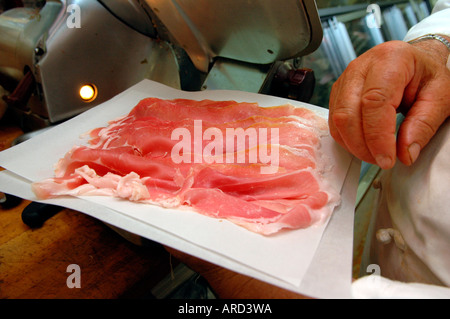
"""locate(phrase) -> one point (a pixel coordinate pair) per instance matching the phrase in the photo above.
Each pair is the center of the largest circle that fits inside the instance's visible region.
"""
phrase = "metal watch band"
(432, 37)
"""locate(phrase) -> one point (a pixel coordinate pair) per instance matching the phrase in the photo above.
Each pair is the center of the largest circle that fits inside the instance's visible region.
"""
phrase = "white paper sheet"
(307, 261)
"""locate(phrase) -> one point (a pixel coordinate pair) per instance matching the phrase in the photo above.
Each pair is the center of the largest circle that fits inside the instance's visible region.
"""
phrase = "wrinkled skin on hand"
(392, 77)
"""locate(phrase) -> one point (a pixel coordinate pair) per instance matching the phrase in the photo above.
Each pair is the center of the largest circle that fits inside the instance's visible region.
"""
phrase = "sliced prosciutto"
(260, 168)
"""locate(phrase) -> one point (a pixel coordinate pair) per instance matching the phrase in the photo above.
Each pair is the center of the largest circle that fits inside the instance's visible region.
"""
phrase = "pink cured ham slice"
(132, 158)
(219, 112)
(151, 135)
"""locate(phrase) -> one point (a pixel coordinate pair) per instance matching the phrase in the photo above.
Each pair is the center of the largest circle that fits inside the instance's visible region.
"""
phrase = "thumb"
(426, 115)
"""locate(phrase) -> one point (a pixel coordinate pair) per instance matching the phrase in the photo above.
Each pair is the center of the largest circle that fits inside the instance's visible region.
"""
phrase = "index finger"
(345, 111)
(380, 98)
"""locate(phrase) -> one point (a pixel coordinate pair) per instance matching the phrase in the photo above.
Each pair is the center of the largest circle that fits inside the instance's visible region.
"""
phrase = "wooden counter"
(33, 262)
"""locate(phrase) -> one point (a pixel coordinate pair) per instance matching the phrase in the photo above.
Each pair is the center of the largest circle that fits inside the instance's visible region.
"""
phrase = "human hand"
(392, 77)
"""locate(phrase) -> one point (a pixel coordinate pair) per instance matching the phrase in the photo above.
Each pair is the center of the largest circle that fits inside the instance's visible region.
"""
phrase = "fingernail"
(383, 161)
(414, 150)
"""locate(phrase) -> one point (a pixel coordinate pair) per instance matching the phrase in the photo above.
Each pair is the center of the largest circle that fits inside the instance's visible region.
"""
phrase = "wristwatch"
(432, 37)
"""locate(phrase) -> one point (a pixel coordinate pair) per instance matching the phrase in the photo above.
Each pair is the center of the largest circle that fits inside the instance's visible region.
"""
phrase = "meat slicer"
(106, 46)
(71, 55)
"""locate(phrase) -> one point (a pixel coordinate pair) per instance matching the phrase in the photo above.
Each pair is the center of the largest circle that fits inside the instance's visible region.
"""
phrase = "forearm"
(437, 23)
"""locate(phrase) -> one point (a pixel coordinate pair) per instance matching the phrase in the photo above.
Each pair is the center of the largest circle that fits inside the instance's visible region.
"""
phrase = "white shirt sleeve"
(438, 22)
(377, 287)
